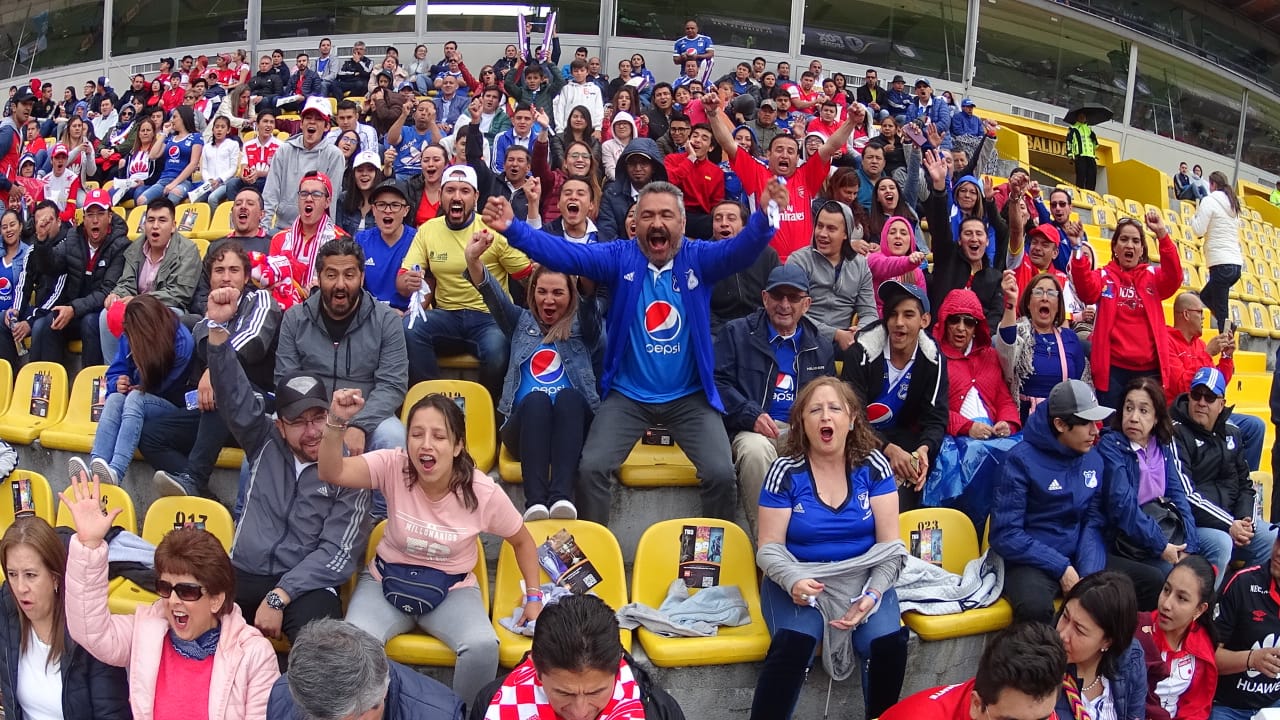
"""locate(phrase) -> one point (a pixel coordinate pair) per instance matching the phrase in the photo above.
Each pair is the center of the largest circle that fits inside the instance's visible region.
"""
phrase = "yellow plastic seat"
(657, 466)
(75, 432)
(1257, 321)
(1273, 311)
(134, 221)
(1092, 198)
(164, 515)
(1104, 217)
(41, 497)
(477, 407)
(1192, 255)
(202, 246)
(113, 496)
(1188, 210)
(1191, 279)
(419, 648)
(509, 467)
(219, 223)
(6, 384)
(1250, 361)
(959, 545)
(1249, 290)
(460, 362)
(1134, 208)
(601, 549)
(1113, 201)
(199, 221)
(26, 417)
(1171, 217)
(230, 458)
(124, 215)
(657, 562)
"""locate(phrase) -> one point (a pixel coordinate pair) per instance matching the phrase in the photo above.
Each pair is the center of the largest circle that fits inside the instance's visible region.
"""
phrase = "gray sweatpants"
(461, 622)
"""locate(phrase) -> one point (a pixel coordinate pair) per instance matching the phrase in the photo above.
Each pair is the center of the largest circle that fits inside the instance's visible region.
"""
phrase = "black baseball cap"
(298, 392)
(392, 185)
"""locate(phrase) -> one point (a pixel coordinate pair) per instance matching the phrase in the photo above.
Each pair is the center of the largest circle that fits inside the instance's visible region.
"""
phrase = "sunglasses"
(1203, 395)
(187, 592)
(1059, 203)
(968, 320)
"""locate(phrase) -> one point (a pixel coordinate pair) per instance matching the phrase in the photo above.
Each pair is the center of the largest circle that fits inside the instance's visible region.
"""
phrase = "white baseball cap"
(460, 173)
(366, 157)
(319, 105)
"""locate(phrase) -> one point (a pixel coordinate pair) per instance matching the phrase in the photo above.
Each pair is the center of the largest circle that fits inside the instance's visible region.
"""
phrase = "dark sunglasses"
(187, 592)
(968, 320)
(1059, 203)
(1202, 394)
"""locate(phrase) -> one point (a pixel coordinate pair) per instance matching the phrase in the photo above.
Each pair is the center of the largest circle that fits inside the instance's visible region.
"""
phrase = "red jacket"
(1196, 700)
(979, 369)
(702, 182)
(1185, 358)
(949, 702)
(1153, 283)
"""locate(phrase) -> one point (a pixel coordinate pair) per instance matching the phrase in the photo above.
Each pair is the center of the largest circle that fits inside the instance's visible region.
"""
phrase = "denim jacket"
(521, 328)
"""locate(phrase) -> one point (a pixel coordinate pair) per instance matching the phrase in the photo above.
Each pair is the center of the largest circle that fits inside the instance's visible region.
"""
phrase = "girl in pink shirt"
(437, 502)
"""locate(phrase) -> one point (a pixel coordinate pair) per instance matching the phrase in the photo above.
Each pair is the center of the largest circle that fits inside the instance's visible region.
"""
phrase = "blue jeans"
(153, 192)
(1218, 548)
(236, 184)
(1225, 713)
(218, 195)
(121, 425)
(1252, 432)
(781, 613)
(1216, 293)
(454, 332)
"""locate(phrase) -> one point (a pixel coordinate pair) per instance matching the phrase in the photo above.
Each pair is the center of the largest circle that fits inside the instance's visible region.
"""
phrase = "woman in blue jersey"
(13, 262)
(829, 549)
(550, 379)
(182, 149)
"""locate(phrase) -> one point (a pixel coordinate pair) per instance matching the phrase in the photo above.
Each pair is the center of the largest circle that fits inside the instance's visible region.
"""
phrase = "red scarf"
(521, 697)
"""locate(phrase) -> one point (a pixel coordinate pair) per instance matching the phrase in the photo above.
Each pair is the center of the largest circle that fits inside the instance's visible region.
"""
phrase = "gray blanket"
(685, 614)
(930, 590)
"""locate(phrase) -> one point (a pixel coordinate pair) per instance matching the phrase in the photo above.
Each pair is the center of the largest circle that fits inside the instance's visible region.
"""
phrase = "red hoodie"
(1167, 697)
(980, 369)
(1185, 358)
(1151, 284)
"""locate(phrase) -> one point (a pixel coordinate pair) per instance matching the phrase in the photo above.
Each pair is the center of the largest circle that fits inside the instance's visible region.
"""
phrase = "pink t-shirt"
(182, 686)
(440, 534)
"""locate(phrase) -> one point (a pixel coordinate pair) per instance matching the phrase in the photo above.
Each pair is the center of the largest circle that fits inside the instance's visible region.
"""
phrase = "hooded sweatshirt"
(974, 369)
(958, 215)
(1048, 512)
(885, 266)
(611, 149)
(290, 163)
(840, 292)
(618, 197)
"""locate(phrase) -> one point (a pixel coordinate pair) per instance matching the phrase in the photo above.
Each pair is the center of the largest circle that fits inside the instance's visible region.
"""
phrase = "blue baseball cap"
(892, 291)
(968, 102)
(787, 276)
(1212, 379)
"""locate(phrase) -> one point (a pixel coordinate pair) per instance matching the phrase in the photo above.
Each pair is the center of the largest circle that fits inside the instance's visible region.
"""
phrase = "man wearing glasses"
(298, 539)
(302, 153)
(761, 362)
(386, 243)
(1036, 255)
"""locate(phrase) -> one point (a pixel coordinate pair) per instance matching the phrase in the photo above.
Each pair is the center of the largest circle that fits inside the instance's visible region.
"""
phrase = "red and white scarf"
(522, 697)
(302, 254)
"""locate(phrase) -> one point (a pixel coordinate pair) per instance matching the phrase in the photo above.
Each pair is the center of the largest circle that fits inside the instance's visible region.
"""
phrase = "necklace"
(1097, 679)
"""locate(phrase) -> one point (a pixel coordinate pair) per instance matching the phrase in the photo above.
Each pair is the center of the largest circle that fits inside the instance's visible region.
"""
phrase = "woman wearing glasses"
(979, 400)
(1128, 293)
(189, 655)
(1036, 351)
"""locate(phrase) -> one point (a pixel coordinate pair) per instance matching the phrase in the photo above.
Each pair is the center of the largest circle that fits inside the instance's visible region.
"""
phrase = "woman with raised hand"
(438, 501)
(1178, 639)
(44, 674)
(1036, 350)
(828, 532)
(189, 655)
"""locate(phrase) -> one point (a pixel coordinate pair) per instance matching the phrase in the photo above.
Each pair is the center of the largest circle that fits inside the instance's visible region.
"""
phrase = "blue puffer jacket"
(525, 335)
(175, 382)
(1121, 478)
(962, 123)
(616, 199)
(409, 696)
(1128, 686)
(698, 267)
(938, 112)
(1048, 504)
(91, 689)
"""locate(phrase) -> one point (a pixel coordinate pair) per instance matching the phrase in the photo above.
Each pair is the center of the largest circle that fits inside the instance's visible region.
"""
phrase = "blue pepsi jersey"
(817, 532)
(543, 372)
(8, 283)
(700, 44)
(177, 154)
(659, 366)
(382, 264)
(783, 394)
(409, 152)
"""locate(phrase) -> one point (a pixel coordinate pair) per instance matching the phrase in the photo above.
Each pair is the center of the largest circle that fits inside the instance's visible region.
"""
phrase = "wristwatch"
(274, 601)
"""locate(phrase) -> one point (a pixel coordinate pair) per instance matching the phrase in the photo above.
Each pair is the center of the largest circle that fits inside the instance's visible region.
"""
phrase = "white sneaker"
(536, 512)
(99, 470)
(564, 510)
(77, 470)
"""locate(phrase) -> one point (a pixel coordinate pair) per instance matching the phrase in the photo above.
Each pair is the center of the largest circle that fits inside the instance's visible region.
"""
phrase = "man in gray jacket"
(350, 340)
(299, 538)
(302, 153)
(839, 279)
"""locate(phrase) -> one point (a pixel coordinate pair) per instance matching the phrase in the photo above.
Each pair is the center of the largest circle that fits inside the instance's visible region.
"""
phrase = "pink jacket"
(888, 267)
(244, 666)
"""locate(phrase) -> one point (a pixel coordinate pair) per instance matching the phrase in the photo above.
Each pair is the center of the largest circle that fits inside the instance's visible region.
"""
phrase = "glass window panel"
(753, 25)
(1178, 100)
(43, 34)
(573, 16)
(1261, 147)
(301, 18)
(1049, 58)
(918, 37)
(143, 27)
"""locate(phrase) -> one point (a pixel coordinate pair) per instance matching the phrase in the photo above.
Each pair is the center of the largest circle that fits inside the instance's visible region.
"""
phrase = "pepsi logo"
(784, 383)
(662, 321)
(174, 151)
(546, 367)
(878, 413)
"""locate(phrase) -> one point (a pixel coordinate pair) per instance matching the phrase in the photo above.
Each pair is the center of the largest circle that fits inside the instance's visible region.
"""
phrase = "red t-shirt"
(796, 230)
(949, 702)
(182, 686)
(427, 209)
(1132, 346)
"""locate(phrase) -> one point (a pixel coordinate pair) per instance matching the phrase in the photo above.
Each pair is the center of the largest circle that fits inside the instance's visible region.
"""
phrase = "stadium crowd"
(625, 258)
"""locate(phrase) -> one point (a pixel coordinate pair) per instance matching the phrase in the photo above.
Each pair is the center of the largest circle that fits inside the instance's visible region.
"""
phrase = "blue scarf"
(201, 648)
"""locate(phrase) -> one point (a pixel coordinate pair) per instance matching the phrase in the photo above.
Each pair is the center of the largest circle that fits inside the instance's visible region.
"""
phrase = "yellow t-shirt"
(440, 249)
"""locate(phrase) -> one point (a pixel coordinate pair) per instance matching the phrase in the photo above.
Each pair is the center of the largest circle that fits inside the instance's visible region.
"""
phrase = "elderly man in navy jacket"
(661, 284)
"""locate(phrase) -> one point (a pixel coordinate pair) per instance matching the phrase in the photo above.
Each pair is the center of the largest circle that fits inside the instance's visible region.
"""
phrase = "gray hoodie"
(371, 357)
(310, 533)
(839, 291)
(290, 163)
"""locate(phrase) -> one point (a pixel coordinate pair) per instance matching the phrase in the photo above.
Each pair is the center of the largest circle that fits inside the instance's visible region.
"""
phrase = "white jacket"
(572, 95)
(220, 161)
(1220, 229)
